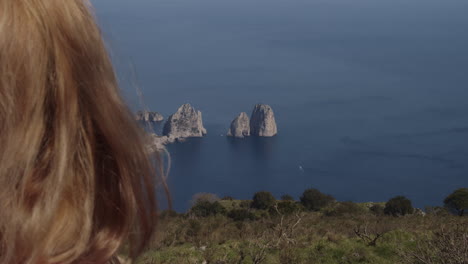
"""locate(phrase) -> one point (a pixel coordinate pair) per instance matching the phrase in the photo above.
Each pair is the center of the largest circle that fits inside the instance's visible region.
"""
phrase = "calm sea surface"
(370, 96)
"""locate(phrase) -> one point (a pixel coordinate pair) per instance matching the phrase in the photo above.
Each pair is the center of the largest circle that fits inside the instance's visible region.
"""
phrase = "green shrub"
(194, 228)
(314, 200)
(457, 202)
(398, 206)
(377, 209)
(288, 207)
(262, 214)
(345, 208)
(168, 214)
(445, 245)
(205, 208)
(436, 210)
(289, 255)
(245, 204)
(241, 215)
(263, 201)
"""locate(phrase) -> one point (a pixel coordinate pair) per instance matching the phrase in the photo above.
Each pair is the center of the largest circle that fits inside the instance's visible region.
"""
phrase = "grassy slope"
(316, 238)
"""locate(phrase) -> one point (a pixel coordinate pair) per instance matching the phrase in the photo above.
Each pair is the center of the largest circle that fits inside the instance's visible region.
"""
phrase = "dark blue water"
(371, 96)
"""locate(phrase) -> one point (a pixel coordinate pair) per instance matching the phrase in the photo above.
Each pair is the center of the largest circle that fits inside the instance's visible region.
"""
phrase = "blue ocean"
(370, 96)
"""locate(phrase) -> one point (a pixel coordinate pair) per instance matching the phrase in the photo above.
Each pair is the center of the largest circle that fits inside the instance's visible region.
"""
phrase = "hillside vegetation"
(266, 230)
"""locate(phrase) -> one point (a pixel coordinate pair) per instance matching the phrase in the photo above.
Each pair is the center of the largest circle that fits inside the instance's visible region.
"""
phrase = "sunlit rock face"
(262, 121)
(240, 126)
(186, 122)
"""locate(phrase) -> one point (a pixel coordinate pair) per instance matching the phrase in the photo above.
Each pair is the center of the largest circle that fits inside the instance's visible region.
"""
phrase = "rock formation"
(262, 121)
(148, 116)
(186, 122)
(157, 143)
(240, 126)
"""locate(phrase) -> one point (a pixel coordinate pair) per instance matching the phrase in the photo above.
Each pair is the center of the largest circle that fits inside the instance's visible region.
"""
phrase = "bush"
(241, 215)
(263, 200)
(436, 210)
(314, 200)
(288, 255)
(377, 209)
(346, 208)
(204, 197)
(262, 214)
(194, 228)
(288, 207)
(245, 204)
(398, 206)
(168, 214)
(227, 198)
(205, 208)
(445, 245)
(457, 202)
(287, 197)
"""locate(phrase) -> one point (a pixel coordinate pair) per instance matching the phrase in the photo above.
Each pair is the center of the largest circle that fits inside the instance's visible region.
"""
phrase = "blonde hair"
(76, 184)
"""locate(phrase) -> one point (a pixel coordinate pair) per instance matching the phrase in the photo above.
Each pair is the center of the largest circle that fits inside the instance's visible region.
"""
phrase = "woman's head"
(75, 181)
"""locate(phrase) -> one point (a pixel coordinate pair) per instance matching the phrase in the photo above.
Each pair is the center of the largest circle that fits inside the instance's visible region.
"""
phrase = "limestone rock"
(262, 121)
(158, 143)
(155, 143)
(148, 116)
(186, 122)
(240, 126)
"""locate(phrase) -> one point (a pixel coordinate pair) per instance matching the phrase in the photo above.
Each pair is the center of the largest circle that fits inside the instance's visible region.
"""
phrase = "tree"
(398, 206)
(263, 200)
(457, 201)
(314, 200)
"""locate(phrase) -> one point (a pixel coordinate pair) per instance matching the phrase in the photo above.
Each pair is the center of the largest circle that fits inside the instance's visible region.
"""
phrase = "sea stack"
(240, 126)
(186, 122)
(262, 121)
(148, 116)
